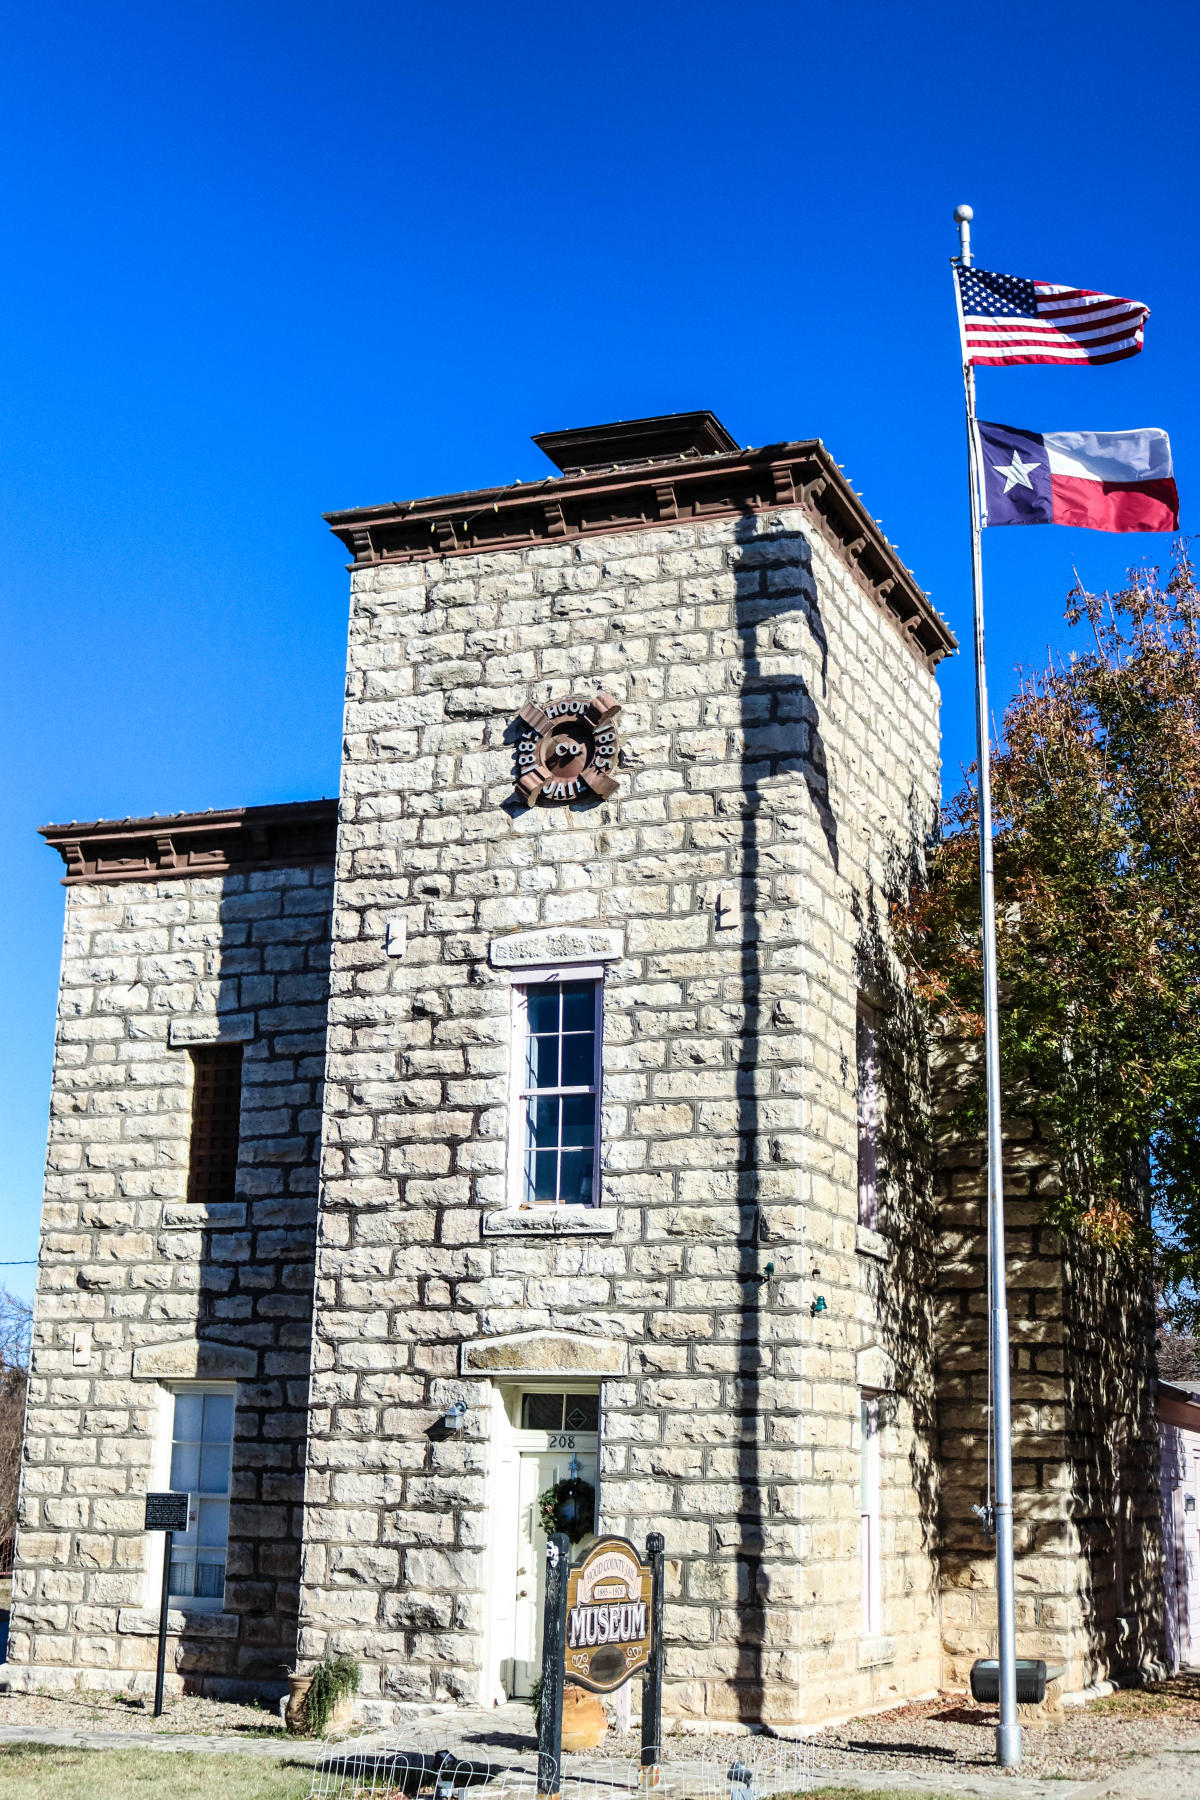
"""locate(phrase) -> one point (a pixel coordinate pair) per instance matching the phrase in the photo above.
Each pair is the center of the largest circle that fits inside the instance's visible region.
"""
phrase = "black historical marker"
(166, 1512)
(169, 1513)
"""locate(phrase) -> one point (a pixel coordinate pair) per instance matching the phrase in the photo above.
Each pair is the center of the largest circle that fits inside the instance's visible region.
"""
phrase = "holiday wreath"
(570, 1507)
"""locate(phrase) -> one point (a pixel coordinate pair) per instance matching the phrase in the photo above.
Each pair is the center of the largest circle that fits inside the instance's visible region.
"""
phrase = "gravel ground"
(117, 1712)
(953, 1735)
(944, 1736)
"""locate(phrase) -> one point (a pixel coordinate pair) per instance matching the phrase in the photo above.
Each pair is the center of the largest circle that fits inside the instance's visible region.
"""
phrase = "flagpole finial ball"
(963, 214)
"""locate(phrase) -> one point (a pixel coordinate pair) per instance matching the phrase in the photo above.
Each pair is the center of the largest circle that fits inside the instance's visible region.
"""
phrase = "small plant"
(333, 1678)
(535, 1700)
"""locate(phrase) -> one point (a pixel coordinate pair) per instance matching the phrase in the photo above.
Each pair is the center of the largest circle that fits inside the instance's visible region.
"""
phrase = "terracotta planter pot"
(583, 1719)
(296, 1714)
(342, 1714)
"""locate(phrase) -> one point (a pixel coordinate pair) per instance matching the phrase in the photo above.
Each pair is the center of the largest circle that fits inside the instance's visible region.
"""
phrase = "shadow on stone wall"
(777, 613)
(256, 1268)
(1085, 1445)
(1113, 1450)
(902, 1289)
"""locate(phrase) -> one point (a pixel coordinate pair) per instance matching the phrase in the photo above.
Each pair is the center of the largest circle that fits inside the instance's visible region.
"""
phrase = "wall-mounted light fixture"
(456, 1416)
(818, 1306)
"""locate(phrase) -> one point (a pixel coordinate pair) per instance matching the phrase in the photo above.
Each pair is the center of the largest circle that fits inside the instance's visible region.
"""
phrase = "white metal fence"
(388, 1766)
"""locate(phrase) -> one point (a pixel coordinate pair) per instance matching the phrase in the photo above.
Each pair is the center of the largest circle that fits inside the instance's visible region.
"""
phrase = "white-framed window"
(554, 1144)
(201, 1425)
(869, 1115)
(869, 1519)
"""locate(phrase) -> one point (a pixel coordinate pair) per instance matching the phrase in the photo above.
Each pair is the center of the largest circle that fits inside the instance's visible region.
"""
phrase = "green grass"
(45, 1772)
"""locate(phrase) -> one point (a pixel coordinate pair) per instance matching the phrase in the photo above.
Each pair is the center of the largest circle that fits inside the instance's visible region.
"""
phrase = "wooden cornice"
(172, 845)
(632, 499)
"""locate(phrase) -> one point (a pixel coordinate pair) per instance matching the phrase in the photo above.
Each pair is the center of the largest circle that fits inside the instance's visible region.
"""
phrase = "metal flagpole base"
(1008, 1746)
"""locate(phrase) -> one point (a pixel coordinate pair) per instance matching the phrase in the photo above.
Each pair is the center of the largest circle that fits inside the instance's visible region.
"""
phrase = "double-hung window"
(557, 1094)
(201, 1455)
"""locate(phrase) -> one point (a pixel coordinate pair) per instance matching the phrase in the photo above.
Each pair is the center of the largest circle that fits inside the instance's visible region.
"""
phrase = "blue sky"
(264, 260)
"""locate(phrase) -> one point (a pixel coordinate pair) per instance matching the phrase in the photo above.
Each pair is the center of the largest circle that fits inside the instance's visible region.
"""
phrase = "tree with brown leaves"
(1096, 797)
(15, 1315)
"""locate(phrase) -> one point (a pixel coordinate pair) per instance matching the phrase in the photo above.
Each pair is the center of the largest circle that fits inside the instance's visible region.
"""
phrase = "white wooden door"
(539, 1469)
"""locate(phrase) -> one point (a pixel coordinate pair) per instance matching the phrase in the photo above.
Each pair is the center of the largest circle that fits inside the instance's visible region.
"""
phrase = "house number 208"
(562, 1443)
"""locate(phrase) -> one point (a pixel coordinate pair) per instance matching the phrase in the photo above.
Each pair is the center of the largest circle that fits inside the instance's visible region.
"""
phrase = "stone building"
(623, 1171)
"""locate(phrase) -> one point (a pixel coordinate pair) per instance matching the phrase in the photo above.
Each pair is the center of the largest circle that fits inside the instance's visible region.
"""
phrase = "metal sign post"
(554, 1637)
(167, 1513)
(650, 1773)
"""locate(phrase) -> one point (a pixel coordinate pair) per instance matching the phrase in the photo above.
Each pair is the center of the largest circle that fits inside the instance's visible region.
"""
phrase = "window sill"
(550, 1221)
(873, 1652)
(872, 1243)
(194, 1621)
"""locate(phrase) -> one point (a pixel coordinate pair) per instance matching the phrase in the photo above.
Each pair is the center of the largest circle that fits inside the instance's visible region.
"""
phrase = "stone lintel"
(544, 1353)
(193, 1215)
(558, 944)
(210, 1028)
(191, 1360)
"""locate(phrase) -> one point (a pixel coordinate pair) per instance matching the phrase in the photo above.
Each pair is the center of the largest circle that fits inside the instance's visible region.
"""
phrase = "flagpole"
(1008, 1731)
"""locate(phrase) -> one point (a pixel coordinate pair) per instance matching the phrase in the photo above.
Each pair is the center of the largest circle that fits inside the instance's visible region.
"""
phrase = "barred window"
(216, 1112)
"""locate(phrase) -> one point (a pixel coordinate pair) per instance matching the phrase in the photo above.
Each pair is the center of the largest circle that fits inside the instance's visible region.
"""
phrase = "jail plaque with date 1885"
(568, 749)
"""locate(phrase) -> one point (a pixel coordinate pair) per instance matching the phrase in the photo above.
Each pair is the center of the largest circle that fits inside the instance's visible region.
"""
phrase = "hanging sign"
(609, 1616)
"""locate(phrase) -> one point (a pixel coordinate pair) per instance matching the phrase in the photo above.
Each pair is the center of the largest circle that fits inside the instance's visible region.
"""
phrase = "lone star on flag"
(1016, 473)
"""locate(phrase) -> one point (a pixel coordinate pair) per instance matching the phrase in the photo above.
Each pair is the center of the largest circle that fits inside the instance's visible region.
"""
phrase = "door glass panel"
(582, 1412)
(541, 1412)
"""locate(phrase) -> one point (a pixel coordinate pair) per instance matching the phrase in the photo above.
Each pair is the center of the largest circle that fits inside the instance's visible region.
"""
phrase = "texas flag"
(1104, 480)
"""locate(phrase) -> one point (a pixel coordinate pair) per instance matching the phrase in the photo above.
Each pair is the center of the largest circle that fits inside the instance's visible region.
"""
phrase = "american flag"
(1006, 319)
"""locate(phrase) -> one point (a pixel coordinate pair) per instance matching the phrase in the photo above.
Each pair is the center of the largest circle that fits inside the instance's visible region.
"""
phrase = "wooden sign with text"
(609, 1616)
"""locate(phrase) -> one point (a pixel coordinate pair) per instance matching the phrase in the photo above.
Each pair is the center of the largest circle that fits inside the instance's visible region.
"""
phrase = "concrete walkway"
(282, 1749)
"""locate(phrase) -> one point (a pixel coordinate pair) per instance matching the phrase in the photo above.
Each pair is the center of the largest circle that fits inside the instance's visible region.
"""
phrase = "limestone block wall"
(168, 1289)
(780, 738)
(1085, 1435)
